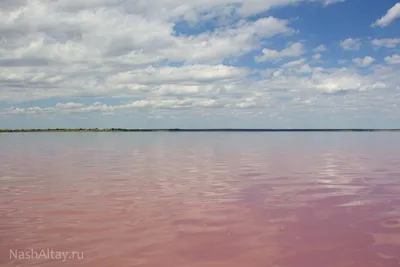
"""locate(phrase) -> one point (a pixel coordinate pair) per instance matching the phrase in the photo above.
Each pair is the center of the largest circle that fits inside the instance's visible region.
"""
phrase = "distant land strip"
(191, 130)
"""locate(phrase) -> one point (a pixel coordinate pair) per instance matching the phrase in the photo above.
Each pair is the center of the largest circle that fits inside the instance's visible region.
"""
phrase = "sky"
(200, 64)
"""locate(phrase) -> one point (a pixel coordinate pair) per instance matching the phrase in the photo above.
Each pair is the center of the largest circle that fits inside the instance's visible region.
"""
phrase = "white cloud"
(193, 74)
(71, 107)
(79, 48)
(130, 50)
(294, 63)
(294, 50)
(253, 7)
(364, 62)
(226, 42)
(341, 80)
(149, 81)
(330, 2)
(320, 48)
(351, 44)
(390, 16)
(103, 48)
(191, 11)
(335, 89)
(317, 57)
(387, 42)
(129, 38)
(394, 59)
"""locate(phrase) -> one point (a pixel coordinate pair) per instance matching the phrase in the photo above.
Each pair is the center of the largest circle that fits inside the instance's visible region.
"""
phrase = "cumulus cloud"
(101, 48)
(340, 80)
(293, 50)
(391, 15)
(317, 56)
(351, 44)
(139, 56)
(320, 48)
(302, 85)
(387, 42)
(364, 62)
(60, 37)
(104, 48)
(394, 59)
(294, 63)
(194, 74)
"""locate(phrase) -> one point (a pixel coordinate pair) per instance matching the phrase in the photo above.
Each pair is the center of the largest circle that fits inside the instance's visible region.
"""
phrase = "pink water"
(202, 199)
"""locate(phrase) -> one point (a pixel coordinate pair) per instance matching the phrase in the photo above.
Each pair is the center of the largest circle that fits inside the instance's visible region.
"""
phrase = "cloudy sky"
(199, 64)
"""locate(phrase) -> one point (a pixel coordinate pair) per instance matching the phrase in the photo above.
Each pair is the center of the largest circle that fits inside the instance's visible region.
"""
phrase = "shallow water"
(200, 199)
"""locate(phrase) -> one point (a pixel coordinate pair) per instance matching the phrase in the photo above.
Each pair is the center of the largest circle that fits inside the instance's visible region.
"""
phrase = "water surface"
(202, 199)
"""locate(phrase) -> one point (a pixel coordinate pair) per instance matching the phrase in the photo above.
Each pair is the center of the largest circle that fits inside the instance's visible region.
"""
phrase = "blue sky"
(209, 63)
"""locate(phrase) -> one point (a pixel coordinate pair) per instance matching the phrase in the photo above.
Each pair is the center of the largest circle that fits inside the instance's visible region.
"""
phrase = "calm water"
(201, 199)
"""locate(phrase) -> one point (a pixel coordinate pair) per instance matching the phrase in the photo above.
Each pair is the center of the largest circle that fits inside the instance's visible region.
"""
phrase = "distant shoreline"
(191, 130)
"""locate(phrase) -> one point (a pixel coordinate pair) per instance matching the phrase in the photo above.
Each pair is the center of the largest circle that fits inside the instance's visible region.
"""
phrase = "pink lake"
(200, 199)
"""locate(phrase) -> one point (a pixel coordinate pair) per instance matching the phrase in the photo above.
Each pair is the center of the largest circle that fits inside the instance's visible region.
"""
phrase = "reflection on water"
(202, 199)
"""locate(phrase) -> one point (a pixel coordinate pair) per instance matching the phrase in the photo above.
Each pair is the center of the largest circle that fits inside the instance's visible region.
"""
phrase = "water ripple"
(202, 200)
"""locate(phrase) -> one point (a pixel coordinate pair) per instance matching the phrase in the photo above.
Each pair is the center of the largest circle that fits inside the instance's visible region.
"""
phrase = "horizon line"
(194, 129)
